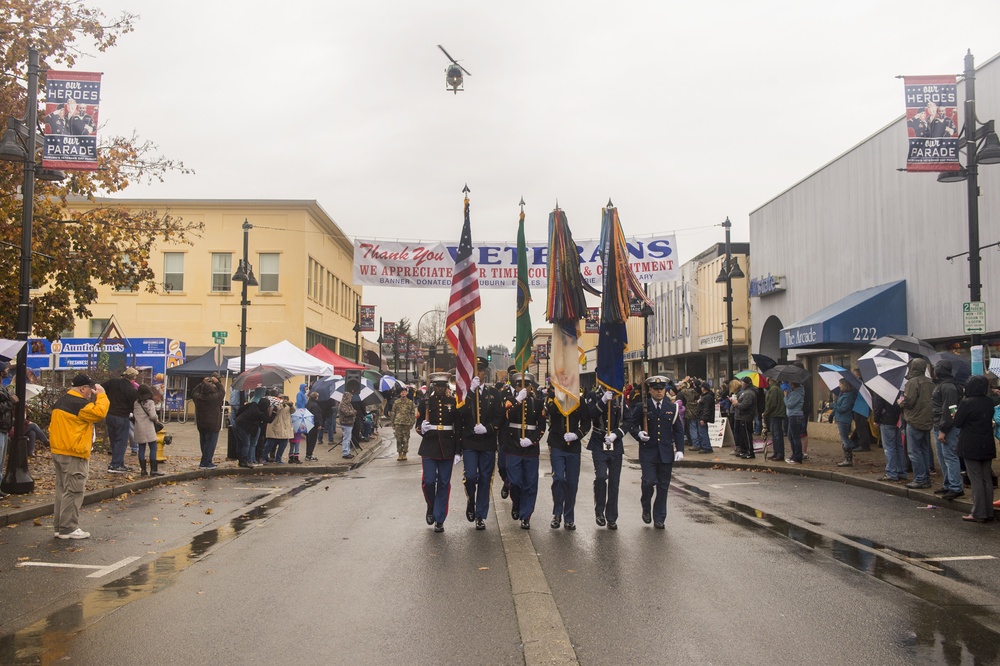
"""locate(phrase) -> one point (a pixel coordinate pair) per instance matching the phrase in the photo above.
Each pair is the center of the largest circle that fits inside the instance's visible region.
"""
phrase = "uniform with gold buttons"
(660, 433)
(439, 427)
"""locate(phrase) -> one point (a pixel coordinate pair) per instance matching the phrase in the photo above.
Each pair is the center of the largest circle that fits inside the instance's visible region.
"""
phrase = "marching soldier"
(525, 427)
(507, 394)
(654, 423)
(481, 417)
(440, 448)
(607, 447)
(566, 432)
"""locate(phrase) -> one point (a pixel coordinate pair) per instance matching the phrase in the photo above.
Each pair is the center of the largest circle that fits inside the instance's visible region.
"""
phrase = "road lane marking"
(957, 558)
(101, 569)
(543, 631)
(723, 485)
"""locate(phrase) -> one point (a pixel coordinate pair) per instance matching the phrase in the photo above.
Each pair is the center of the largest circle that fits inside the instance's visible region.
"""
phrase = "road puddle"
(49, 639)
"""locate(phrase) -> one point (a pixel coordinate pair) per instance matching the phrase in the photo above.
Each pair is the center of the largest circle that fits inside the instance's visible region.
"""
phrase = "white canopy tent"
(285, 355)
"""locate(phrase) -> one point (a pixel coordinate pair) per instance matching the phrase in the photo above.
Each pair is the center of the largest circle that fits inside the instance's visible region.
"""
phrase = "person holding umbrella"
(843, 415)
(794, 411)
(312, 406)
(346, 415)
(977, 446)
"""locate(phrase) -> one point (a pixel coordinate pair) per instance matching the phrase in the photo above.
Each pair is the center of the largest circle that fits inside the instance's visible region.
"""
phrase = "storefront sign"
(713, 340)
(766, 286)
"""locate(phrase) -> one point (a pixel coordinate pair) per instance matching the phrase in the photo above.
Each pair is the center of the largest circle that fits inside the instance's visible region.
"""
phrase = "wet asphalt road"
(343, 569)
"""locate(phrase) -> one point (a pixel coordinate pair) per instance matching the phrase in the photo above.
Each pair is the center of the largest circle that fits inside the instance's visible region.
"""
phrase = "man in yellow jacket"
(71, 438)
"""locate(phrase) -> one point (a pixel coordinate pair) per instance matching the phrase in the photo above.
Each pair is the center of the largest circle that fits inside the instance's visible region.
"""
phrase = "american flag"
(461, 323)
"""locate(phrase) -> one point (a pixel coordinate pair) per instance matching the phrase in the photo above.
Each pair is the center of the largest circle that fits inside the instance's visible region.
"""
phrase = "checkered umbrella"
(832, 374)
(883, 371)
(367, 395)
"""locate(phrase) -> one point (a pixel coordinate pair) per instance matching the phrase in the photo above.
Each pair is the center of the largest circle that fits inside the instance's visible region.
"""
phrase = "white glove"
(427, 425)
(570, 437)
(610, 439)
(521, 395)
(643, 436)
(526, 442)
(608, 395)
(458, 459)
(474, 384)
(479, 429)
(679, 456)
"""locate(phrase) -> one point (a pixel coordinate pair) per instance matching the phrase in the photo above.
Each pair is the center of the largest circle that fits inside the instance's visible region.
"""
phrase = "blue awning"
(856, 319)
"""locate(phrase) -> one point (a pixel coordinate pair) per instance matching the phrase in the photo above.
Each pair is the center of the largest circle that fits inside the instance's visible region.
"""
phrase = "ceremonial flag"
(460, 326)
(565, 307)
(522, 346)
(620, 288)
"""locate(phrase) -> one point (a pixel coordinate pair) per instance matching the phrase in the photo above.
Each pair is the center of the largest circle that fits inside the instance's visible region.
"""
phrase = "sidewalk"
(184, 454)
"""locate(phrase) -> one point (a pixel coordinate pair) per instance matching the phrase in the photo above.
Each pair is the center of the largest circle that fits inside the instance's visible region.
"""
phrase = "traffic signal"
(489, 355)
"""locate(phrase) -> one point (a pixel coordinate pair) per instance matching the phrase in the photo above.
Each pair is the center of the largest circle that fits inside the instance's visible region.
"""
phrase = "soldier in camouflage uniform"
(403, 416)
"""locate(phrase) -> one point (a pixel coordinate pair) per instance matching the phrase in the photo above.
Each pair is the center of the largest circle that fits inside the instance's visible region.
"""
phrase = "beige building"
(301, 259)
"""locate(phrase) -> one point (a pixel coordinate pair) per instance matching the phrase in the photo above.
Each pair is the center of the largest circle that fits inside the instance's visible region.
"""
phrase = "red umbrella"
(262, 375)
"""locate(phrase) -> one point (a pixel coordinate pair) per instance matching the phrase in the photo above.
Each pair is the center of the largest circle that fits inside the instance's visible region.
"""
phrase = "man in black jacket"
(944, 402)
(122, 393)
(482, 418)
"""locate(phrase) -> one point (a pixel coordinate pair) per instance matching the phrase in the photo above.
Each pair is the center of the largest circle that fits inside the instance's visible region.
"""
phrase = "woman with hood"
(977, 447)
(843, 415)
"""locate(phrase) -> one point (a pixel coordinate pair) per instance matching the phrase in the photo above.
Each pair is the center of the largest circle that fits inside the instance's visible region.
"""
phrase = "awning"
(854, 320)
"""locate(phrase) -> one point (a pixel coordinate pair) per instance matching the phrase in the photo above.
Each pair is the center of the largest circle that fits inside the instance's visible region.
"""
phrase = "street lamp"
(730, 270)
(244, 274)
(19, 145)
(976, 133)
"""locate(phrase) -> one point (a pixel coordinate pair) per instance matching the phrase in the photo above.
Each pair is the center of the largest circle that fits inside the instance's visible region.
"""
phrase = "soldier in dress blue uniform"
(607, 446)
(525, 427)
(660, 434)
(566, 432)
(440, 447)
(482, 416)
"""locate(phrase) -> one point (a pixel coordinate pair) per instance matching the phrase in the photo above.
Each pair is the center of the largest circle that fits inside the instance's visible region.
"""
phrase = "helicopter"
(453, 75)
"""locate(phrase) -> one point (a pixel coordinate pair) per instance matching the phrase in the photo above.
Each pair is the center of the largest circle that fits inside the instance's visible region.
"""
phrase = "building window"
(173, 271)
(348, 350)
(222, 271)
(97, 327)
(130, 284)
(309, 278)
(268, 272)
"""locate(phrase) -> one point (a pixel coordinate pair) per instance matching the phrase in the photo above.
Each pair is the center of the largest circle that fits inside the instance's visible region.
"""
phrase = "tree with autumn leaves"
(73, 252)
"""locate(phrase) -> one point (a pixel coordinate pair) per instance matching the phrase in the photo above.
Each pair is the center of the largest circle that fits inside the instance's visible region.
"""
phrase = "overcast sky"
(682, 113)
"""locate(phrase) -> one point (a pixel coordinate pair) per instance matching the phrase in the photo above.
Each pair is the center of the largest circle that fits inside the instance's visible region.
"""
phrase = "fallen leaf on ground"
(209, 511)
(23, 559)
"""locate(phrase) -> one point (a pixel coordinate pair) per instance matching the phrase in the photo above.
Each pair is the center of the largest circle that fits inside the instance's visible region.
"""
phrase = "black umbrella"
(906, 343)
(764, 363)
(961, 369)
(788, 373)
(262, 375)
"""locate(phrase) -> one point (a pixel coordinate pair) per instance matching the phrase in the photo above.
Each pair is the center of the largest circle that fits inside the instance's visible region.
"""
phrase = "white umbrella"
(31, 390)
(884, 371)
(9, 349)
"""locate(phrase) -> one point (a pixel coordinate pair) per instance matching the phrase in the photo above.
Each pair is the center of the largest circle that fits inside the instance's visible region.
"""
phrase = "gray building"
(857, 250)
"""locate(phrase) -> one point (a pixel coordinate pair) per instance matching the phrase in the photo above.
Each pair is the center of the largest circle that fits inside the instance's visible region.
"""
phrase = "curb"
(921, 496)
(94, 496)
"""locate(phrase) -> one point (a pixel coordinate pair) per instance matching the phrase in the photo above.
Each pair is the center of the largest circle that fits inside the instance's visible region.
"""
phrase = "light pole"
(975, 133)
(730, 269)
(244, 274)
(19, 145)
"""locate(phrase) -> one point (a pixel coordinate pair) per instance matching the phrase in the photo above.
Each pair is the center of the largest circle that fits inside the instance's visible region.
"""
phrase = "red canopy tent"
(338, 362)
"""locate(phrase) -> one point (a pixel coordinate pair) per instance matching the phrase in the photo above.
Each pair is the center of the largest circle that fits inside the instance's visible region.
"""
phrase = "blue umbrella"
(302, 420)
(326, 386)
(388, 383)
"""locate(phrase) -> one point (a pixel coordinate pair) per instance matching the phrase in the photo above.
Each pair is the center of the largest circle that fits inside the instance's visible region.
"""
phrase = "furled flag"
(619, 284)
(565, 307)
(460, 326)
(523, 343)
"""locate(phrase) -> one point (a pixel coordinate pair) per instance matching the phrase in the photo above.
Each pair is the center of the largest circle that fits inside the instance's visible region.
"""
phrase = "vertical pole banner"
(932, 123)
(72, 106)
(593, 320)
(366, 318)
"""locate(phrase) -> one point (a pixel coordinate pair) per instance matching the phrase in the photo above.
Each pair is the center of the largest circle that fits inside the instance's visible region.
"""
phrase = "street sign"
(974, 317)
(220, 334)
(219, 341)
